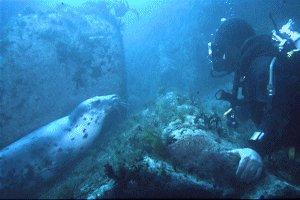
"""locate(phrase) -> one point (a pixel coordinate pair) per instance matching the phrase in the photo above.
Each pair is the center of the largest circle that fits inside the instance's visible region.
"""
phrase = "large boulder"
(52, 60)
(206, 156)
(271, 187)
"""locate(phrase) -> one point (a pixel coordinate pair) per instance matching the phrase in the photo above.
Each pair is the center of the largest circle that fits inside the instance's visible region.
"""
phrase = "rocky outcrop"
(52, 60)
(156, 179)
(271, 187)
(206, 158)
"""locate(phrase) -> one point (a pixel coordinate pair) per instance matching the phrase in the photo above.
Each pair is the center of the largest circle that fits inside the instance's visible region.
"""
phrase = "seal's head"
(95, 105)
(102, 102)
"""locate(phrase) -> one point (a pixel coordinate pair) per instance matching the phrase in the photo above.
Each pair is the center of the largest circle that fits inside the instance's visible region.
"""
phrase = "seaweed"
(67, 191)
(121, 175)
(153, 143)
(211, 122)
(128, 176)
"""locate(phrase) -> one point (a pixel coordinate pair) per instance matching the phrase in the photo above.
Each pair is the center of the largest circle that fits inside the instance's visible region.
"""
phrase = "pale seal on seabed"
(33, 160)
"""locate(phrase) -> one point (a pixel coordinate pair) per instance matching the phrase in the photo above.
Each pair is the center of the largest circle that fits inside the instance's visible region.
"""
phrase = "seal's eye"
(97, 103)
(79, 111)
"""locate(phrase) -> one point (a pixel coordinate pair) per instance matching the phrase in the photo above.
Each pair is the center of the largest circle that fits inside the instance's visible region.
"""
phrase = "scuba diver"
(266, 87)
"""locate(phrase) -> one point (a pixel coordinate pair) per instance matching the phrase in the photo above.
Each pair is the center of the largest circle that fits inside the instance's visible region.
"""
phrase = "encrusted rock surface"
(155, 178)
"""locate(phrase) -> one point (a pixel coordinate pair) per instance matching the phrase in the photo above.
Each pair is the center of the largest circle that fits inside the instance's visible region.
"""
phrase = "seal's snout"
(114, 98)
(100, 101)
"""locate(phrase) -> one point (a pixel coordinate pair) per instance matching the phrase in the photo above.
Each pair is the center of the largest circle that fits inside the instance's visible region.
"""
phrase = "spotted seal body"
(36, 158)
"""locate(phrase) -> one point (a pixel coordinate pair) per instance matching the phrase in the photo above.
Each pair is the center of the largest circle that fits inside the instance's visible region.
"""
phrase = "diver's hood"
(221, 62)
(225, 50)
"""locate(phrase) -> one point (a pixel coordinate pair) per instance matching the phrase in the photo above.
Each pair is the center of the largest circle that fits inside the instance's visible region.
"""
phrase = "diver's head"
(229, 38)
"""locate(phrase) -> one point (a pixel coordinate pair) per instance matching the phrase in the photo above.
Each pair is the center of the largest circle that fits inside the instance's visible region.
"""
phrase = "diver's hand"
(250, 165)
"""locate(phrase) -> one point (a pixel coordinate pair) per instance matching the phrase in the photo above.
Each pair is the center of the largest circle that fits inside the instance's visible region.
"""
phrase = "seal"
(31, 162)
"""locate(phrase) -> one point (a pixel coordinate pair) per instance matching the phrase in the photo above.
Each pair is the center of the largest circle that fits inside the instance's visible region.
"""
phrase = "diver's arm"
(271, 132)
(270, 123)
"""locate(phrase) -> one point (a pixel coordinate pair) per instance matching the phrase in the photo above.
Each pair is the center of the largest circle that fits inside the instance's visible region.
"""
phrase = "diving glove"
(250, 166)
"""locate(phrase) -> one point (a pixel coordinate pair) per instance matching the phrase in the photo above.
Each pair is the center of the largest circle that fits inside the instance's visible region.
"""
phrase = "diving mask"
(219, 59)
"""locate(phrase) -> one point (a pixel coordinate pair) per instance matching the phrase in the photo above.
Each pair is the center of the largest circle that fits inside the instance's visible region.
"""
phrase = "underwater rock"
(205, 156)
(272, 187)
(185, 127)
(53, 60)
(173, 125)
(189, 121)
(100, 192)
(158, 179)
(182, 133)
(169, 99)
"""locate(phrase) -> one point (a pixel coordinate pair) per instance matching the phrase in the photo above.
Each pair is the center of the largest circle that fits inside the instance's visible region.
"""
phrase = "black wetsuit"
(277, 117)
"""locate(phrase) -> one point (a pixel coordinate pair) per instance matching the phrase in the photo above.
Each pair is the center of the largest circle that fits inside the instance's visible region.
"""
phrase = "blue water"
(55, 54)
